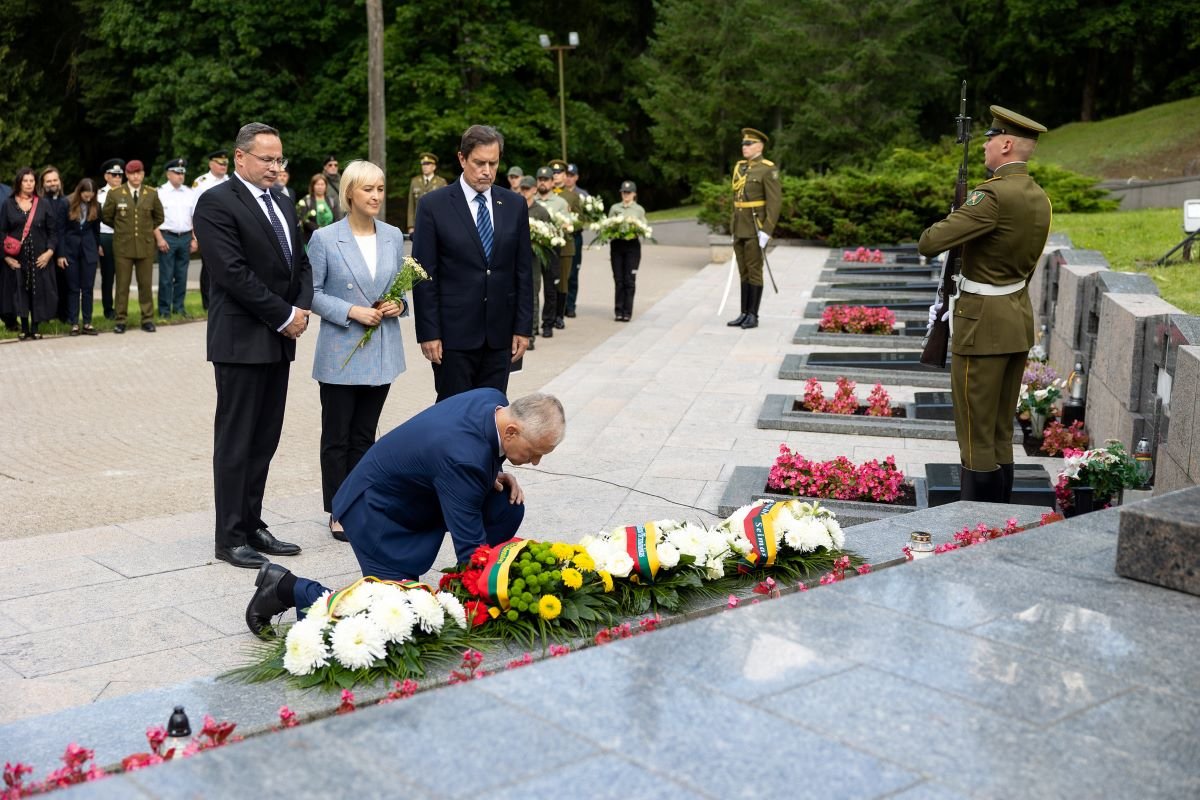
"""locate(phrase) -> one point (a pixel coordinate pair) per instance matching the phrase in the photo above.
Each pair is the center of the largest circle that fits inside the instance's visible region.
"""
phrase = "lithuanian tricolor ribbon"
(641, 543)
(759, 526)
(497, 568)
(337, 597)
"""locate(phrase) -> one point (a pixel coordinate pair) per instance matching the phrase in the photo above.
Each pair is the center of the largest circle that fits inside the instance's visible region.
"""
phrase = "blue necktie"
(278, 226)
(483, 221)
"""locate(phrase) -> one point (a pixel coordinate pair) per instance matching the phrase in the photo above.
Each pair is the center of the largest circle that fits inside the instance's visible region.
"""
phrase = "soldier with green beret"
(757, 198)
(1002, 226)
(422, 185)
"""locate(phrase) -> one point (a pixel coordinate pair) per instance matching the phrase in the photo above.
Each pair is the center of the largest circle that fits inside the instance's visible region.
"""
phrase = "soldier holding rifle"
(757, 199)
(1001, 227)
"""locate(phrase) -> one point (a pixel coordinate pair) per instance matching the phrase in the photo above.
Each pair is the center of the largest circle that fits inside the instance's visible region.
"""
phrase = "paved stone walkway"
(107, 582)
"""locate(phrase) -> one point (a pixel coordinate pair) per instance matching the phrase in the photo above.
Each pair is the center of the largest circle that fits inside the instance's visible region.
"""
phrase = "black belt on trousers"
(179, 233)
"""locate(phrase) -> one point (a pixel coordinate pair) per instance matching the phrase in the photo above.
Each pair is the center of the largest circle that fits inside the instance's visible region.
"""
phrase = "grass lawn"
(1133, 240)
(191, 304)
(665, 214)
(1156, 142)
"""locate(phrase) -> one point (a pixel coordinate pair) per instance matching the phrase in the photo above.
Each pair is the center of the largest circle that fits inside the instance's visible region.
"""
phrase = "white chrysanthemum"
(453, 608)
(305, 647)
(715, 568)
(358, 641)
(356, 600)
(806, 535)
(835, 531)
(620, 564)
(392, 612)
(740, 544)
(668, 556)
(430, 615)
(319, 611)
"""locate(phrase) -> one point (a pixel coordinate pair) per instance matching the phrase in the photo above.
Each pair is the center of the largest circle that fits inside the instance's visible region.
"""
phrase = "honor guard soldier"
(757, 198)
(114, 176)
(218, 173)
(575, 205)
(554, 204)
(422, 185)
(1002, 225)
(134, 212)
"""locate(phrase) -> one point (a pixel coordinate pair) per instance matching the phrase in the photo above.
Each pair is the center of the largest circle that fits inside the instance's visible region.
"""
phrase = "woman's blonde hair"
(354, 175)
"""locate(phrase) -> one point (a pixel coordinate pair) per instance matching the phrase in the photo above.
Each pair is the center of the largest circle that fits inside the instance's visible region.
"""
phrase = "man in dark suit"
(475, 314)
(439, 471)
(260, 294)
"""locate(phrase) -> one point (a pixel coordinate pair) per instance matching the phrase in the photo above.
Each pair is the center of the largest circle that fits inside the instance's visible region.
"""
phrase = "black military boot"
(737, 323)
(981, 487)
(560, 309)
(1006, 472)
(753, 299)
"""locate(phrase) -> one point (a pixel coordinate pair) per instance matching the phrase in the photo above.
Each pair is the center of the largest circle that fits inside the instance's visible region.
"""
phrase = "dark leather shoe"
(548, 332)
(265, 603)
(262, 541)
(570, 313)
(339, 532)
(241, 556)
(751, 321)
(737, 323)
(559, 323)
(119, 327)
(148, 327)
(531, 345)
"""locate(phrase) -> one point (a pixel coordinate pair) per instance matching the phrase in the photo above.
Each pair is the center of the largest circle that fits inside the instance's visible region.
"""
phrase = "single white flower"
(394, 616)
(453, 608)
(356, 600)
(835, 531)
(430, 615)
(668, 556)
(620, 564)
(358, 642)
(319, 611)
(806, 535)
(305, 647)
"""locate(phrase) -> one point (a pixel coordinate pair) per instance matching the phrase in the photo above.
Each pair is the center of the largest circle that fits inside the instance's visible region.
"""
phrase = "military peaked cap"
(1012, 123)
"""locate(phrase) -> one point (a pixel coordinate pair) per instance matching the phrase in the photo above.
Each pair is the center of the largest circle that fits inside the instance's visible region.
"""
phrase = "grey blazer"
(341, 280)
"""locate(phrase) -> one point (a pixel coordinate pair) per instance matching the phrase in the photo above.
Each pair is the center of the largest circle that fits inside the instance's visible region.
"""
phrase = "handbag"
(12, 245)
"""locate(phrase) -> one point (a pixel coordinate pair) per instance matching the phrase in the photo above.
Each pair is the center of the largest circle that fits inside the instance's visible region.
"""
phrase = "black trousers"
(349, 419)
(464, 370)
(203, 283)
(108, 274)
(249, 419)
(625, 255)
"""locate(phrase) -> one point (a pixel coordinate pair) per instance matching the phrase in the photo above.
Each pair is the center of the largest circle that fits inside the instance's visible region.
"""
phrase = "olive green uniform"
(538, 211)
(1002, 226)
(757, 199)
(418, 188)
(575, 206)
(134, 248)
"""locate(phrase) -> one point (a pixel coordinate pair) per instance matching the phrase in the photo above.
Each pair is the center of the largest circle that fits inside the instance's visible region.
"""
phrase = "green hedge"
(899, 198)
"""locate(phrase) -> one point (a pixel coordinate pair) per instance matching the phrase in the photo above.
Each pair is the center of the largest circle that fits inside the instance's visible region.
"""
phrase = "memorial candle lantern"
(179, 732)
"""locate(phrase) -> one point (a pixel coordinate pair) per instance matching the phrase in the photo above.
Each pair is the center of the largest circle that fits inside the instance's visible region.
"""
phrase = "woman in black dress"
(80, 253)
(28, 289)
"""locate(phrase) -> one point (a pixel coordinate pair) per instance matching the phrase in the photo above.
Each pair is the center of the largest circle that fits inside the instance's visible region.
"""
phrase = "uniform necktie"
(483, 221)
(278, 226)
(135, 194)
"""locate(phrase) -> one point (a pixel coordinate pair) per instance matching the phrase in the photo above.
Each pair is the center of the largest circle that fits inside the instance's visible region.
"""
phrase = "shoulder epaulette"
(768, 163)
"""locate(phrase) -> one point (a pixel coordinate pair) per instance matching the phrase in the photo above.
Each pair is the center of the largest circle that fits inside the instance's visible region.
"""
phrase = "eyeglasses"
(279, 163)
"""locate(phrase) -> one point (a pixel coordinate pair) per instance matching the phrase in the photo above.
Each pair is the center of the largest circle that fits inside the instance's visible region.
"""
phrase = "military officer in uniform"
(527, 187)
(1002, 226)
(422, 185)
(553, 204)
(134, 211)
(757, 198)
(575, 206)
(114, 176)
(218, 173)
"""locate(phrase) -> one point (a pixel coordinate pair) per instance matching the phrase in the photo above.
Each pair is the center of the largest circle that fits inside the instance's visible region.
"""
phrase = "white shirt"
(208, 181)
(366, 246)
(470, 193)
(178, 205)
(257, 193)
(100, 197)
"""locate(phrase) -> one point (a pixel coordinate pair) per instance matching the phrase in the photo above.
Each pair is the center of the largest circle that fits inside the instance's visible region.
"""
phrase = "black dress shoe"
(148, 326)
(737, 323)
(548, 332)
(265, 603)
(241, 556)
(119, 327)
(559, 323)
(530, 347)
(339, 532)
(751, 321)
(571, 313)
(262, 541)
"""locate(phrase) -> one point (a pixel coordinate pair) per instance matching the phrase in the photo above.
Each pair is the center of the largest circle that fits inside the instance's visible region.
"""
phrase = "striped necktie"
(483, 221)
(278, 226)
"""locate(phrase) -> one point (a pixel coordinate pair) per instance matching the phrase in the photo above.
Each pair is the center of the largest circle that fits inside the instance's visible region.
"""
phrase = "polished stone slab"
(1031, 483)
(1160, 542)
(748, 484)
(911, 308)
(905, 371)
(780, 412)
(905, 337)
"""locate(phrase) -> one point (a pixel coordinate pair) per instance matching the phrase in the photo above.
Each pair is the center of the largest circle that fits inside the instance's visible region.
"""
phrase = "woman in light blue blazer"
(354, 261)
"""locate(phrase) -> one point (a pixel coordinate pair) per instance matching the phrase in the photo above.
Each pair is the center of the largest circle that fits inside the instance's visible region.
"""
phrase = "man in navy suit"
(261, 291)
(475, 314)
(439, 471)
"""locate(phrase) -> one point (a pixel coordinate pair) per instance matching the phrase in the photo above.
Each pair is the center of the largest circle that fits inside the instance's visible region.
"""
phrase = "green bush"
(903, 194)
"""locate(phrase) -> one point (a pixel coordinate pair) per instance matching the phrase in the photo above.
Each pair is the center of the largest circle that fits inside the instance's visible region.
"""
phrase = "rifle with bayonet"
(937, 336)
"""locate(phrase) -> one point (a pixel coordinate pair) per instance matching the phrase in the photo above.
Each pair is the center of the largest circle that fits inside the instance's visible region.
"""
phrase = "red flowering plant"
(1057, 439)
(838, 479)
(863, 255)
(844, 400)
(876, 320)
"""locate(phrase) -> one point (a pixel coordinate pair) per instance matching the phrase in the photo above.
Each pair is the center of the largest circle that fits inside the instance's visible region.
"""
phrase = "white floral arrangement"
(592, 208)
(674, 543)
(791, 525)
(354, 629)
(621, 227)
(545, 234)
(566, 223)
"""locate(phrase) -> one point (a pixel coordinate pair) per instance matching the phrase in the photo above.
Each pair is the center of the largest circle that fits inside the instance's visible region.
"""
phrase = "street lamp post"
(572, 43)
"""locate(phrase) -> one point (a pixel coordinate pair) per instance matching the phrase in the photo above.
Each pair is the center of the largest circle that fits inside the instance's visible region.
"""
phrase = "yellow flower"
(584, 562)
(549, 607)
(608, 582)
(572, 578)
(561, 551)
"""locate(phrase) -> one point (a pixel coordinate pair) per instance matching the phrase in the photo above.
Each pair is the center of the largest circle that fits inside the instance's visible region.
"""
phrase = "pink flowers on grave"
(347, 705)
(864, 255)
(1058, 439)
(470, 668)
(844, 400)
(876, 320)
(838, 479)
(287, 718)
